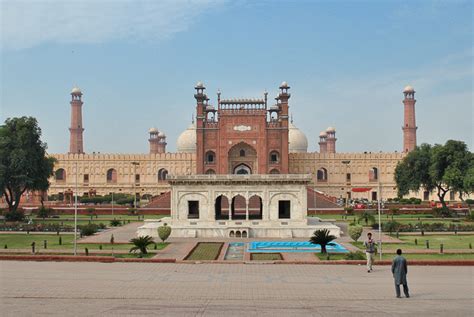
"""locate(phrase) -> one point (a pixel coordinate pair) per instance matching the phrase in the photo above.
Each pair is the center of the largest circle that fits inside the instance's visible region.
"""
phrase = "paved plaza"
(67, 289)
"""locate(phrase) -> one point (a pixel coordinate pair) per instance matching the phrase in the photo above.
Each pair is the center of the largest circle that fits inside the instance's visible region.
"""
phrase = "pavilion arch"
(111, 176)
(322, 175)
(162, 174)
(238, 207)
(274, 171)
(221, 207)
(242, 153)
(255, 207)
(60, 175)
(210, 172)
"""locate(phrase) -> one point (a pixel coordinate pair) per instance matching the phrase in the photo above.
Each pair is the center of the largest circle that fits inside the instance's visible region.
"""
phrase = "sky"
(137, 62)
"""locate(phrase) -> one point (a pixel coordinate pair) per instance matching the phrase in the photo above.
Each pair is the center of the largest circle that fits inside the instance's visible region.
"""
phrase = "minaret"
(323, 145)
(409, 126)
(282, 102)
(201, 97)
(331, 140)
(157, 141)
(76, 129)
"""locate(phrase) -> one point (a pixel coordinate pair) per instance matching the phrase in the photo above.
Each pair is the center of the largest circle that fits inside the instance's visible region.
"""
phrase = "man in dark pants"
(399, 271)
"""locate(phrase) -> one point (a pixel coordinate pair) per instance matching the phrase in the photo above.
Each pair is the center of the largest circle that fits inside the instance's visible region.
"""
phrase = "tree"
(355, 232)
(323, 238)
(440, 167)
(141, 244)
(367, 217)
(164, 232)
(23, 161)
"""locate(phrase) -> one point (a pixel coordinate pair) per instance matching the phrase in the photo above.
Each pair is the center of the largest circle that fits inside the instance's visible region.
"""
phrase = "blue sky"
(137, 62)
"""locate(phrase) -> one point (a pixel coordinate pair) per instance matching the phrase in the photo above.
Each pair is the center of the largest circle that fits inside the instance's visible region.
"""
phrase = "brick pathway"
(121, 234)
(136, 289)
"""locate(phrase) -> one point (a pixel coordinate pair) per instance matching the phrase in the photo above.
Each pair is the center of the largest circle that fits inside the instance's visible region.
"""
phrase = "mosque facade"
(235, 137)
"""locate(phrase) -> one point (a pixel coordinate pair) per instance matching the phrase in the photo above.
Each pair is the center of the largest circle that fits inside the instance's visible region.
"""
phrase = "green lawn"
(205, 251)
(448, 241)
(404, 219)
(23, 241)
(85, 219)
(408, 256)
(265, 256)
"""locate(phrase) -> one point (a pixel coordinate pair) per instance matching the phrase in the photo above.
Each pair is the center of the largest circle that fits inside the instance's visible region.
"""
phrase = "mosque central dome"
(187, 140)
(298, 143)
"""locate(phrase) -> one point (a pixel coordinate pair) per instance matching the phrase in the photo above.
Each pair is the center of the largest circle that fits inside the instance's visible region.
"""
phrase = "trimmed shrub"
(357, 255)
(88, 229)
(355, 232)
(44, 212)
(115, 223)
(164, 232)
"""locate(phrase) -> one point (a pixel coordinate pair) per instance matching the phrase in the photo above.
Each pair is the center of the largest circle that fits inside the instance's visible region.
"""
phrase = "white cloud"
(27, 24)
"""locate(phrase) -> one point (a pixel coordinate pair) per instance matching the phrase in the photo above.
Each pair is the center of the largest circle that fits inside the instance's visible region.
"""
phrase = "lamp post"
(75, 212)
(112, 204)
(346, 163)
(135, 184)
(379, 196)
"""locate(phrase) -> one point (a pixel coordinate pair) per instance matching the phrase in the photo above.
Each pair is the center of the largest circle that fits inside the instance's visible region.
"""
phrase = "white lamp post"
(75, 213)
(379, 206)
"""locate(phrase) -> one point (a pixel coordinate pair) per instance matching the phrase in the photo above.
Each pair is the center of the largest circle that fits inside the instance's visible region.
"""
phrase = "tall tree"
(24, 164)
(440, 167)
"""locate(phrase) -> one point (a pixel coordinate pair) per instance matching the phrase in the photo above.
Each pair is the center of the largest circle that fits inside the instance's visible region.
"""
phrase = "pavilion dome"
(330, 129)
(76, 90)
(298, 143)
(153, 130)
(323, 134)
(187, 140)
(408, 88)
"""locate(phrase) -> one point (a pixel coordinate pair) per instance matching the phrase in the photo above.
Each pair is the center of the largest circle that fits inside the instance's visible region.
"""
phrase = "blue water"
(292, 246)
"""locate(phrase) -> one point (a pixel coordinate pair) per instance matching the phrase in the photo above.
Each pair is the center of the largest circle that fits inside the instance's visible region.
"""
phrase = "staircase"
(318, 200)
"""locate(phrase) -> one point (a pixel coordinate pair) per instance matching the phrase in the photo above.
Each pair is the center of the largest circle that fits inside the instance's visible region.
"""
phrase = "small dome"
(408, 89)
(323, 134)
(187, 140)
(199, 84)
(76, 91)
(161, 134)
(153, 130)
(284, 84)
(297, 141)
(330, 130)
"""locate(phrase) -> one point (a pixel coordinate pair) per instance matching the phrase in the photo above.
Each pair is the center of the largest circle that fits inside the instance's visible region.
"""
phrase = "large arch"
(322, 175)
(162, 174)
(221, 208)
(242, 153)
(60, 175)
(239, 207)
(111, 176)
(255, 207)
(242, 169)
(373, 174)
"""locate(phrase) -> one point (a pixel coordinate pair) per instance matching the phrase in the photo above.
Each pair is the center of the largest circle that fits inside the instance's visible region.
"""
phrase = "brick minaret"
(76, 129)
(409, 126)
(157, 141)
(200, 118)
(282, 102)
(331, 140)
(323, 145)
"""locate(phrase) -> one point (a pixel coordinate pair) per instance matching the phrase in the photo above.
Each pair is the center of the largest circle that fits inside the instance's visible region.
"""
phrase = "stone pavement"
(132, 289)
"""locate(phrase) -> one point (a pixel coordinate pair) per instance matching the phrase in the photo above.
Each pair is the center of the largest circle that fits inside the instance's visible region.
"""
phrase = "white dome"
(408, 89)
(153, 130)
(199, 84)
(161, 134)
(284, 84)
(187, 140)
(76, 90)
(331, 129)
(297, 141)
(323, 134)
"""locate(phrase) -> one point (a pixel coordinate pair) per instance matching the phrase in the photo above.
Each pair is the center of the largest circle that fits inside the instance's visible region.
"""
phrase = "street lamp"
(346, 163)
(379, 202)
(75, 212)
(135, 184)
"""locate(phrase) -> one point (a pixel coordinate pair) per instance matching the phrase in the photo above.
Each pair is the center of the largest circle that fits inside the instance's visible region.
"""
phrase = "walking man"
(399, 271)
(369, 251)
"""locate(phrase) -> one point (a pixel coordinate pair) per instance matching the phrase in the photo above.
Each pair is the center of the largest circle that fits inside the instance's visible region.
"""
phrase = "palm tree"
(141, 243)
(323, 238)
(367, 217)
